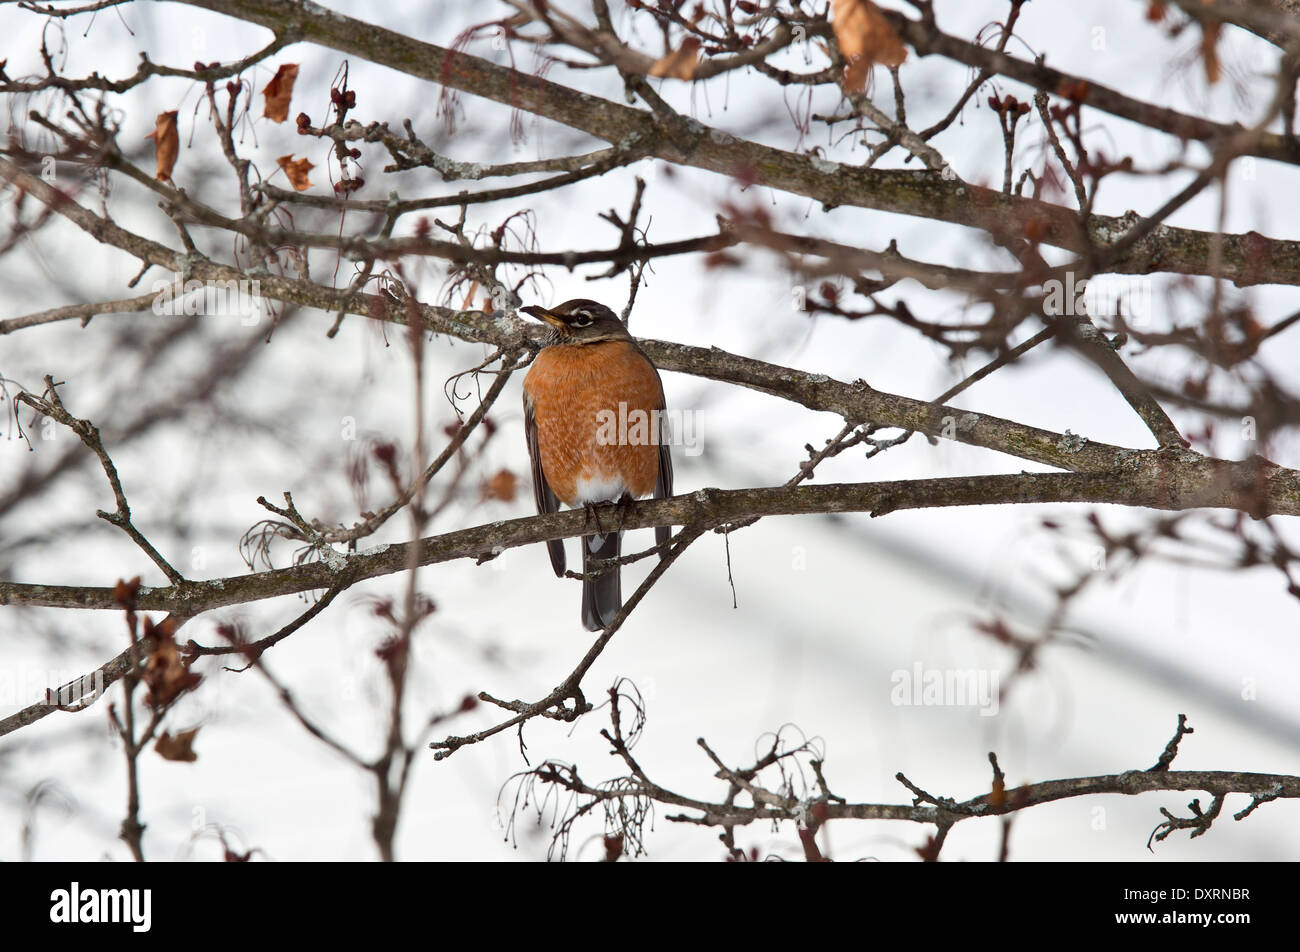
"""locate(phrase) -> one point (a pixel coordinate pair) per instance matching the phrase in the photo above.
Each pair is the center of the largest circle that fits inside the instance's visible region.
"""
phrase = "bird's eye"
(581, 318)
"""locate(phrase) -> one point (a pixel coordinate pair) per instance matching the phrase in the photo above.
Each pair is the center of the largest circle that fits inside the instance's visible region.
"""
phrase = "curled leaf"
(167, 144)
(865, 38)
(681, 63)
(165, 673)
(503, 486)
(124, 592)
(1075, 90)
(179, 748)
(279, 91)
(296, 170)
(469, 296)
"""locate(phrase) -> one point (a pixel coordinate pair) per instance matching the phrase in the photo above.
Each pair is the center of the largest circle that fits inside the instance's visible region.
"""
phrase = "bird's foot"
(593, 516)
(625, 505)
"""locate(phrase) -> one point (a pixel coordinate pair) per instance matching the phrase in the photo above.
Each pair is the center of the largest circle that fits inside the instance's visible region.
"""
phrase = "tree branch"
(1153, 480)
(925, 194)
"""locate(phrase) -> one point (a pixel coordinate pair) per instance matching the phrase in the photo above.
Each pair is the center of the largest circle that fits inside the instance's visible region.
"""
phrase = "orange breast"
(597, 425)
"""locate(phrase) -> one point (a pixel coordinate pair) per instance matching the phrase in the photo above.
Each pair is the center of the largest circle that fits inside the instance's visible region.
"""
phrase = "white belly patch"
(600, 489)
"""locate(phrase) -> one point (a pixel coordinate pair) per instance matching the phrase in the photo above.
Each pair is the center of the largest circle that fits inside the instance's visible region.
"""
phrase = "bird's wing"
(546, 500)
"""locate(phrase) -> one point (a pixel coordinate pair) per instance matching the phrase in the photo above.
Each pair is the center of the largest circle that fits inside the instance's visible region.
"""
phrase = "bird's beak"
(542, 314)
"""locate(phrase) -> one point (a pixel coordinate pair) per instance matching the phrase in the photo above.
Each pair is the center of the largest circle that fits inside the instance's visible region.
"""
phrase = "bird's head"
(580, 321)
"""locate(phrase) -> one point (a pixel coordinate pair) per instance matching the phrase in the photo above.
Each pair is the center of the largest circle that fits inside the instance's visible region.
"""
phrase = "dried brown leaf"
(279, 91)
(503, 485)
(124, 592)
(681, 63)
(865, 39)
(167, 144)
(178, 748)
(165, 673)
(296, 170)
(469, 296)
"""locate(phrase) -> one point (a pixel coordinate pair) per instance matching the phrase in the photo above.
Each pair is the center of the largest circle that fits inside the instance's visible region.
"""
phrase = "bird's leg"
(593, 515)
(625, 504)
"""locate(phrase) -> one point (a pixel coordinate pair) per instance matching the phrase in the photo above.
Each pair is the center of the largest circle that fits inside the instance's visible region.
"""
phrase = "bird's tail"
(602, 595)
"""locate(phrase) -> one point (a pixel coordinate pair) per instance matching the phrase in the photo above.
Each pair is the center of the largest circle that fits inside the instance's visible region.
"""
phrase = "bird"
(593, 405)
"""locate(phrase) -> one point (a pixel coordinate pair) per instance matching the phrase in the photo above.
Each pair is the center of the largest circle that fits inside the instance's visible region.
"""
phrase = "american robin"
(592, 402)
